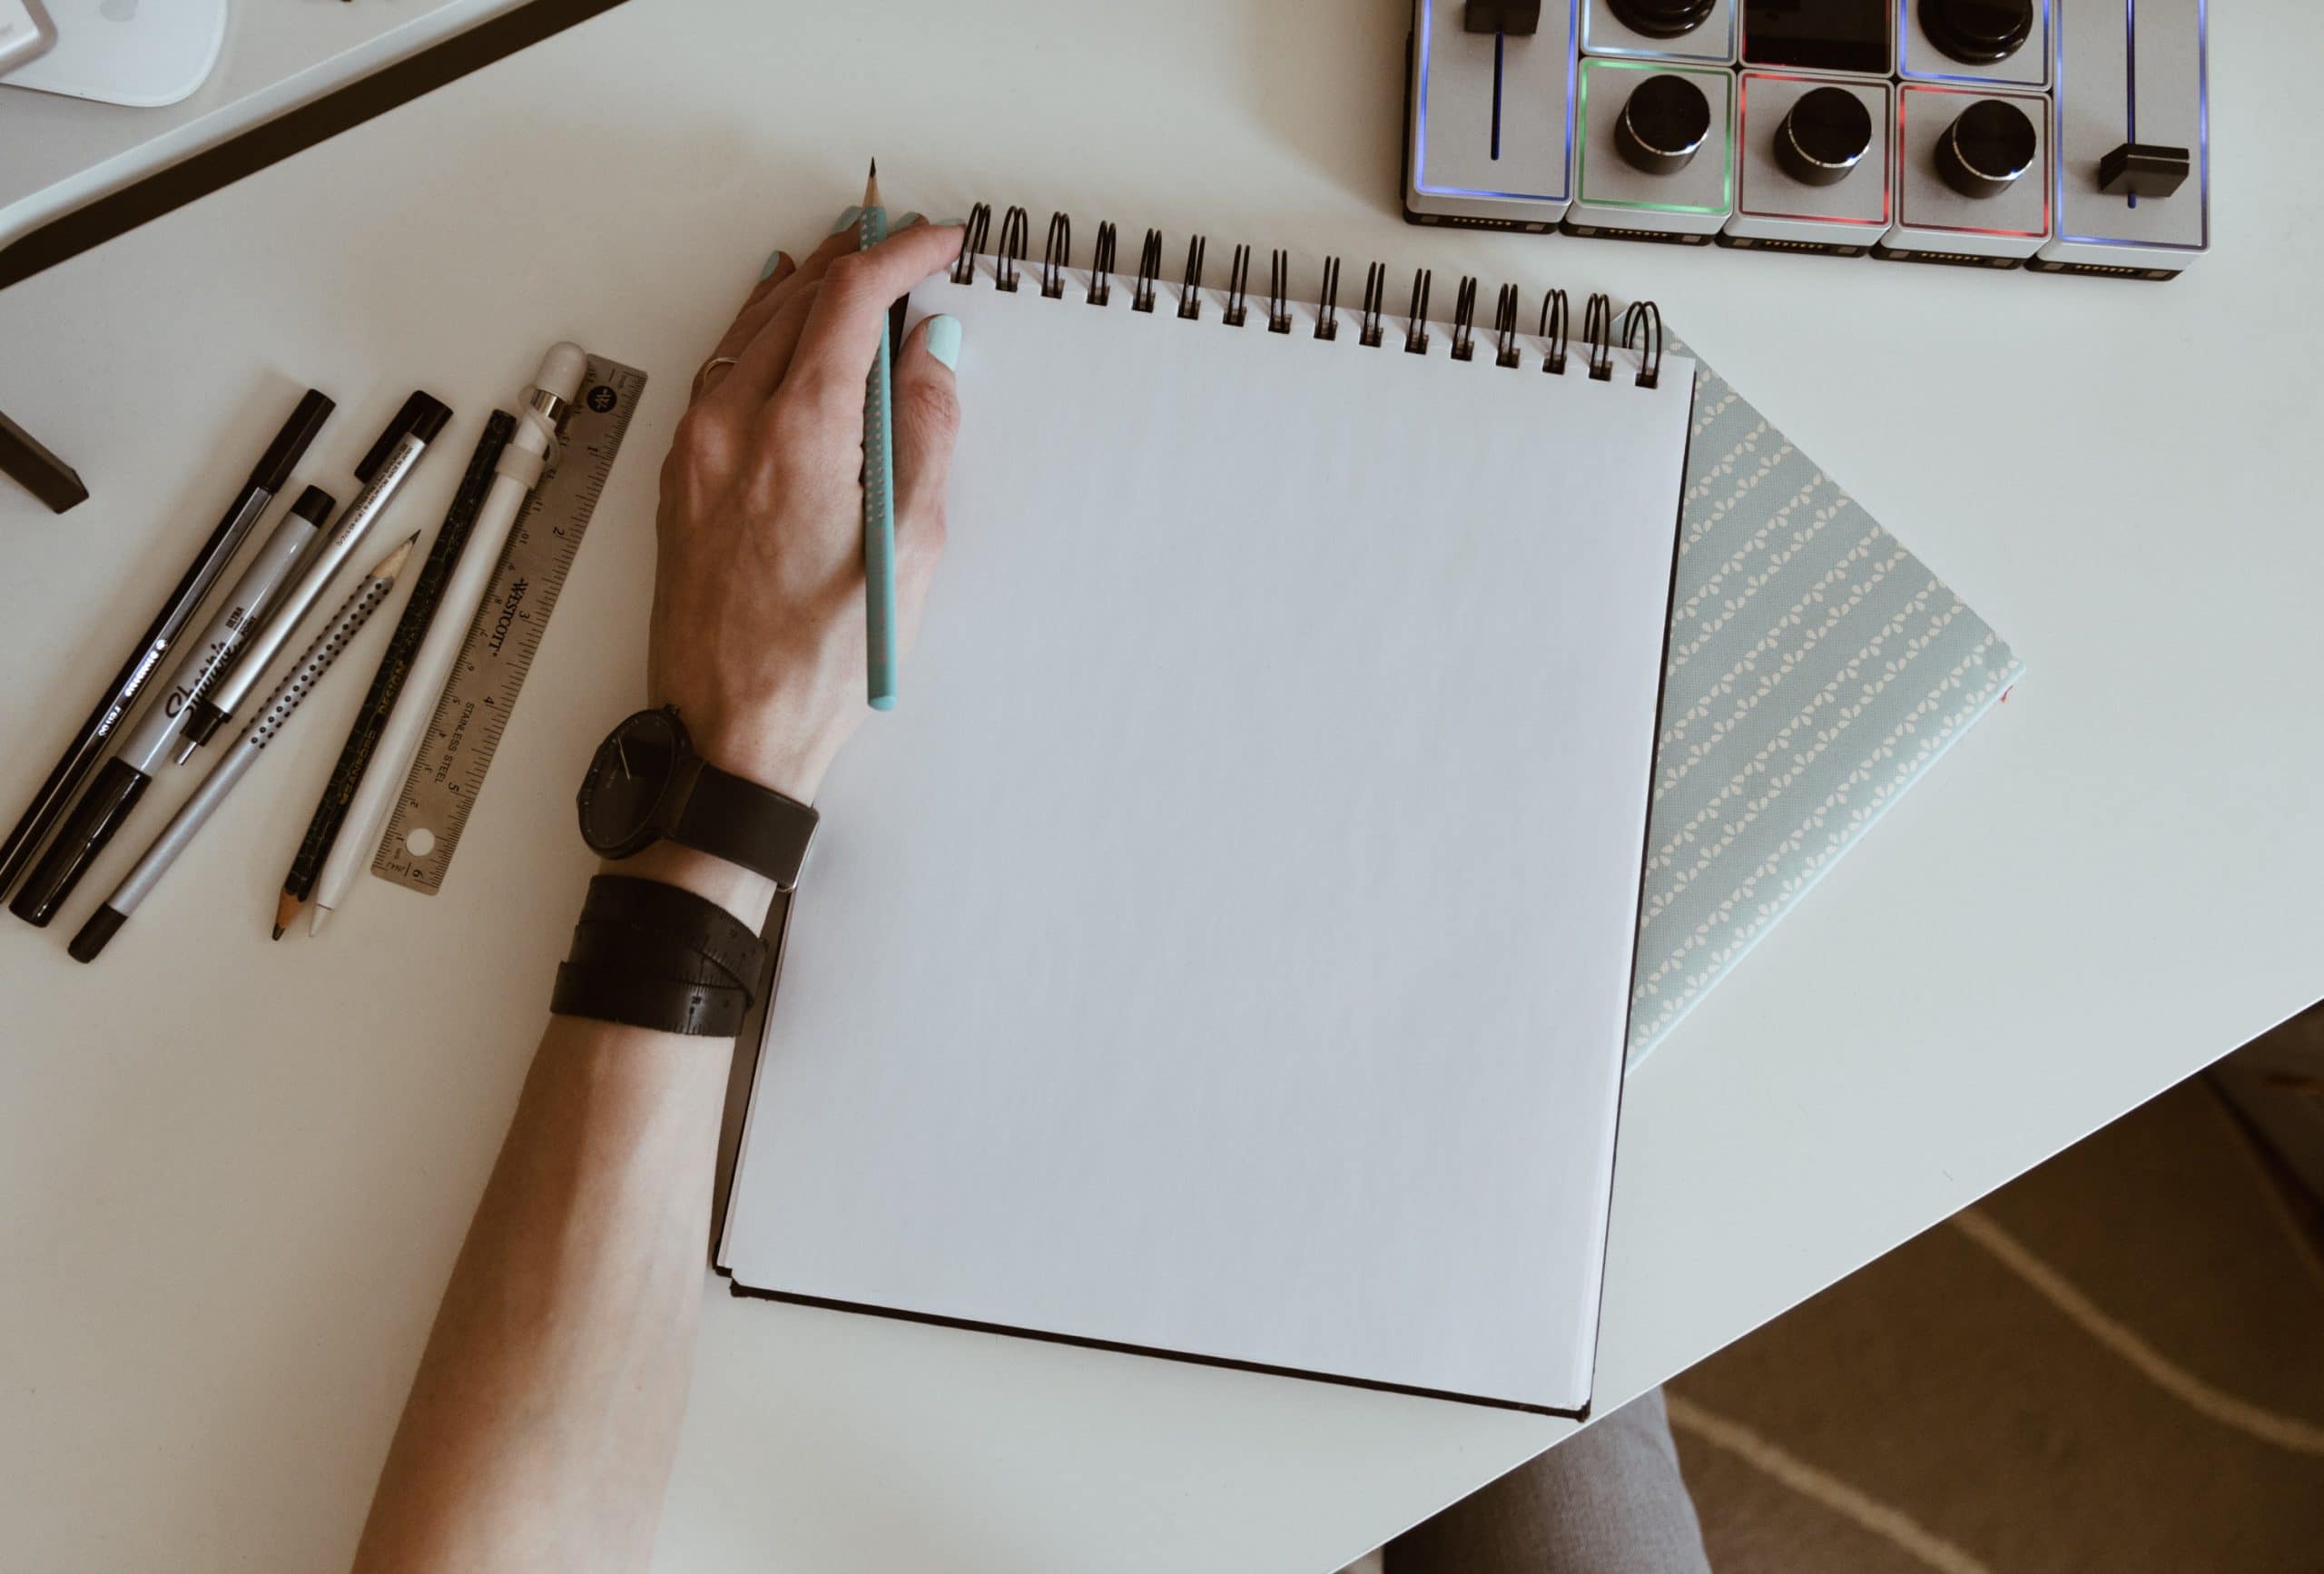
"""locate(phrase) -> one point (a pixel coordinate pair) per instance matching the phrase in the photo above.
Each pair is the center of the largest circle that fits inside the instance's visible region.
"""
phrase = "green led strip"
(1582, 125)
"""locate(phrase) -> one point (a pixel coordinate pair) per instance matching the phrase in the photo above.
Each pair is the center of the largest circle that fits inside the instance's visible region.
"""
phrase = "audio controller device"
(2069, 136)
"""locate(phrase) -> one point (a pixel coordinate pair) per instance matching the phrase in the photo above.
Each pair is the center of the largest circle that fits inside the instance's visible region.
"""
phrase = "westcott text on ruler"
(463, 735)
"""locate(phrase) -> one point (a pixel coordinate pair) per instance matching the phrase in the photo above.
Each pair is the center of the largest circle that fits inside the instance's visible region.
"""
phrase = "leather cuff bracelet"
(649, 955)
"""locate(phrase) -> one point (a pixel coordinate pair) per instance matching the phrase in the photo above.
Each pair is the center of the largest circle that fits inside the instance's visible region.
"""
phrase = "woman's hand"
(758, 631)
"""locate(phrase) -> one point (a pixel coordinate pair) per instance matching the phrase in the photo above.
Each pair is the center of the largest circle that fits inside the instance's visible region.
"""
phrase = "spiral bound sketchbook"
(1225, 950)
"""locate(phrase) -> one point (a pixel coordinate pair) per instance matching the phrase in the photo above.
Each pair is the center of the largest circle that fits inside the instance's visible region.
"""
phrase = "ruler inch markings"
(471, 716)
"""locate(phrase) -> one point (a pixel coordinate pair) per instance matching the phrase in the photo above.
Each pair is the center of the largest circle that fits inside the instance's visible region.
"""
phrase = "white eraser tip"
(562, 369)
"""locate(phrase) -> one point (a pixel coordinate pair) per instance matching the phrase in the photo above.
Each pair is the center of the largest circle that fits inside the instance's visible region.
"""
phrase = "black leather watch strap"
(648, 912)
(652, 956)
(745, 823)
(662, 1005)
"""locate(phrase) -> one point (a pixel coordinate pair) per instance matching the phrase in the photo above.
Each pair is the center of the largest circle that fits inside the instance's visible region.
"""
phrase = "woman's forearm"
(541, 1428)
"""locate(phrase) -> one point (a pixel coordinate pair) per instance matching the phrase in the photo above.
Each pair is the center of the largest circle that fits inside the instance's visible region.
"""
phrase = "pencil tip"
(278, 931)
(286, 910)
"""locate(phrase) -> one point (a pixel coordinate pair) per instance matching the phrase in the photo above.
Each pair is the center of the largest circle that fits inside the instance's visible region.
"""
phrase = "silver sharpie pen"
(236, 763)
(382, 472)
(114, 790)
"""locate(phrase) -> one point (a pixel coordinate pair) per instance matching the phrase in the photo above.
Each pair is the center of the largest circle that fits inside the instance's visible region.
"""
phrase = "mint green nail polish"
(944, 341)
(847, 220)
(905, 219)
(774, 261)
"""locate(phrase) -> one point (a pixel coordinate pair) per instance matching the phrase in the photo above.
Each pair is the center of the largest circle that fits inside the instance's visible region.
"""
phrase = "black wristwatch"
(646, 784)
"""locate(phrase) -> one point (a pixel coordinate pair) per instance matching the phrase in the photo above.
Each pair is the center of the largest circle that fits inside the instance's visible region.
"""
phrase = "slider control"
(1518, 18)
(2144, 170)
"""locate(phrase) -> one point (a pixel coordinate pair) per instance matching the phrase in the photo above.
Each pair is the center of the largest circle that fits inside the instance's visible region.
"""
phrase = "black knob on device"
(1662, 18)
(1664, 121)
(1986, 148)
(1825, 136)
(1978, 32)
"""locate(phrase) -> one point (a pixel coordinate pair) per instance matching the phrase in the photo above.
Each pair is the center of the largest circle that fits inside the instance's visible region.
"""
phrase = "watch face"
(627, 781)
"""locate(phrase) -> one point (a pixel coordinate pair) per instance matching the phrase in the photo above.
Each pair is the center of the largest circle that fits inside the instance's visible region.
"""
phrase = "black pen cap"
(290, 443)
(103, 925)
(314, 505)
(423, 415)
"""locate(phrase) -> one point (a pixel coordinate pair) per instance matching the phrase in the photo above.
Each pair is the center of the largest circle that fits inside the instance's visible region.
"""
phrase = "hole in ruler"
(420, 840)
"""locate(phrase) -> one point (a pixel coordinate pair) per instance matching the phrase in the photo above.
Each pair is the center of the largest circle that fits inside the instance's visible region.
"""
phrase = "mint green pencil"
(879, 485)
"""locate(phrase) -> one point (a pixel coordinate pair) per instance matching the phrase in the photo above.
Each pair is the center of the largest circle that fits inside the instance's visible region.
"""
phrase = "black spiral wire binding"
(1101, 266)
(1149, 272)
(972, 237)
(1554, 327)
(1597, 337)
(1464, 317)
(1279, 292)
(1375, 285)
(1504, 327)
(1016, 241)
(1643, 323)
(1416, 318)
(1057, 255)
(1190, 284)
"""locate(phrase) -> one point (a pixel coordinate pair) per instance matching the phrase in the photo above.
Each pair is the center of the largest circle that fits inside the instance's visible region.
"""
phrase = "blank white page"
(1224, 947)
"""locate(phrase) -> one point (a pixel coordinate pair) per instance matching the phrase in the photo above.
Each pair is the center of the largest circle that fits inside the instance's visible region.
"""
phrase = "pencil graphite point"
(871, 186)
(392, 564)
(286, 911)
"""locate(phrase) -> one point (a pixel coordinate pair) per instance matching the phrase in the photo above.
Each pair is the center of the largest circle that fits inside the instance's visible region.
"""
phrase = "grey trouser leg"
(1610, 1501)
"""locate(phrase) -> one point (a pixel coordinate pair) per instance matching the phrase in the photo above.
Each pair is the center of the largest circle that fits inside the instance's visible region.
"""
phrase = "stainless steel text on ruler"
(464, 732)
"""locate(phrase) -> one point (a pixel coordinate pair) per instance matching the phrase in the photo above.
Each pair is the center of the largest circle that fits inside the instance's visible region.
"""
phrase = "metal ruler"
(465, 732)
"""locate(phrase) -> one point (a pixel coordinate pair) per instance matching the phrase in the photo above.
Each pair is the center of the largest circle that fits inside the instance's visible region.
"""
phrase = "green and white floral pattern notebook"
(1816, 669)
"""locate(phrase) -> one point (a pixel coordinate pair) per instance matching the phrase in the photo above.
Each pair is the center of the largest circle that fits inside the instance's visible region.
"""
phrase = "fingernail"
(907, 220)
(944, 341)
(847, 219)
(953, 223)
(772, 262)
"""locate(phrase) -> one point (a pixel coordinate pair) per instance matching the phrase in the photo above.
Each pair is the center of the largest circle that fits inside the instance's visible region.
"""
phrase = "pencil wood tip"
(392, 564)
(286, 910)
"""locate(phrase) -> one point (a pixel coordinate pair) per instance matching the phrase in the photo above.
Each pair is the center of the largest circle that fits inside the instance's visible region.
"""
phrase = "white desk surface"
(58, 152)
(233, 1175)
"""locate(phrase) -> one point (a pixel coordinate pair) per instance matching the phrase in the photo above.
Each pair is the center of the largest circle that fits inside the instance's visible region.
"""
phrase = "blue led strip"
(2131, 76)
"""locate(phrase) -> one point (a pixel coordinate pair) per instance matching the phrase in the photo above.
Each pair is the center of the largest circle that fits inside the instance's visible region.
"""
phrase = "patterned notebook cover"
(1816, 669)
